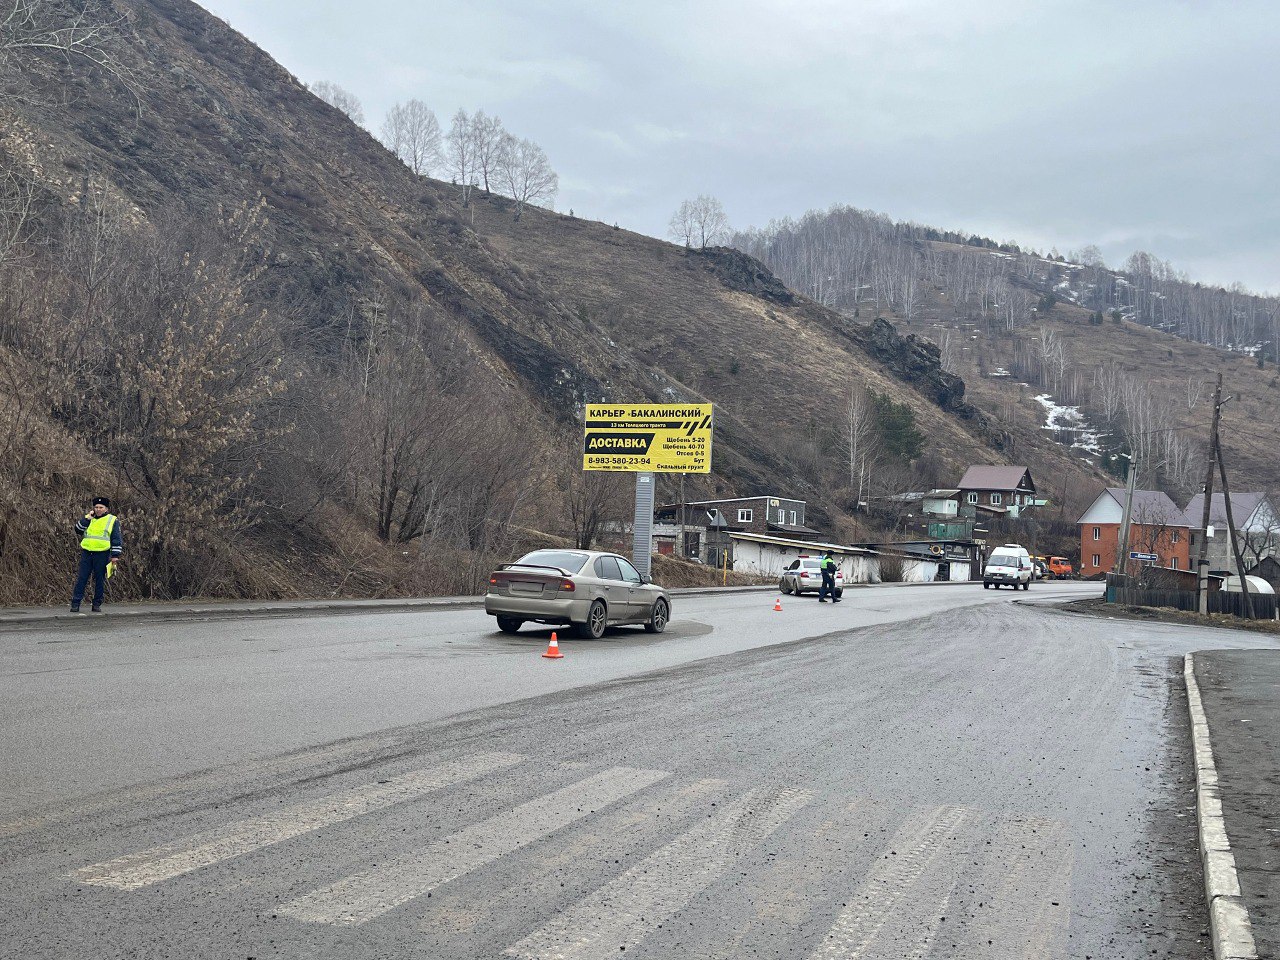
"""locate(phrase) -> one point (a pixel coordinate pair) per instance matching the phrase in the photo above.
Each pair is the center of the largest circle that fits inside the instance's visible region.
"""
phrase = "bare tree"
(592, 499)
(681, 227)
(17, 203)
(86, 32)
(948, 351)
(861, 436)
(1195, 392)
(460, 154)
(488, 143)
(412, 132)
(342, 99)
(526, 173)
(700, 222)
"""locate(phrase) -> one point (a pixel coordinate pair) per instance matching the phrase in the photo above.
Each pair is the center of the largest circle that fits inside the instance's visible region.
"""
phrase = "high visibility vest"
(98, 537)
(829, 565)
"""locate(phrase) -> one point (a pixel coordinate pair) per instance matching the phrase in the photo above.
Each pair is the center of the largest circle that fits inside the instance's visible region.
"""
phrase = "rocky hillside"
(1110, 362)
(301, 369)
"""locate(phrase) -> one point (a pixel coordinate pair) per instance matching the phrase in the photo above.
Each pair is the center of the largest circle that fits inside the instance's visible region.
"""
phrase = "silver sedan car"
(804, 575)
(585, 589)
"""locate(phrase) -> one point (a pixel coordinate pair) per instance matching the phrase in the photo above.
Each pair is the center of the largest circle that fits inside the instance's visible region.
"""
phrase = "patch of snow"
(1062, 419)
(1000, 372)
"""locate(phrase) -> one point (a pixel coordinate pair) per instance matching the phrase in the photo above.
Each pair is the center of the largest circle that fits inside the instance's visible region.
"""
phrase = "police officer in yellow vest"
(100, 544)
(828, 588)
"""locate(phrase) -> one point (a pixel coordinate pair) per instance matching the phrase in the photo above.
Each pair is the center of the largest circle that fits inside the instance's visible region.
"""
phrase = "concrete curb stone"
(22, 616)
(1229, 925)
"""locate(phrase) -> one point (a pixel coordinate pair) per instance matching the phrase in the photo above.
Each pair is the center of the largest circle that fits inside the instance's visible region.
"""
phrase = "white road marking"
(222, 843)
(877, 899)
(364, 896)
(621, 913)
(216, 778)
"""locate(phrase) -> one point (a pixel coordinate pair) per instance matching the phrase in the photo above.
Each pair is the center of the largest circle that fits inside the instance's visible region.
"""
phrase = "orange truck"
(1060, 568)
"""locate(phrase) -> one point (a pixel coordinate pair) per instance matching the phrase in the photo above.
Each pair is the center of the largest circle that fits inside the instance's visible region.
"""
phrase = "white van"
(1009, 564)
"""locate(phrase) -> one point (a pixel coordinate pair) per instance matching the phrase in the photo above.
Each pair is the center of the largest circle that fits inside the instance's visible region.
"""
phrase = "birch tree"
(700, 222)
(340, 98)
(412, 132)
(525, 173)
(861, 439)
(460, 154)
(488, 141)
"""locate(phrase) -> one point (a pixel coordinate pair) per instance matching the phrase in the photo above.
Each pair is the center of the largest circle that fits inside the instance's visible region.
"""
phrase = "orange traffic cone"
(553, 649)
(777, 605)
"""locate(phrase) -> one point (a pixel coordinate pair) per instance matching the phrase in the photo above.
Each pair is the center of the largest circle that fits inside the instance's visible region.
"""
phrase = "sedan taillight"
(566, 585)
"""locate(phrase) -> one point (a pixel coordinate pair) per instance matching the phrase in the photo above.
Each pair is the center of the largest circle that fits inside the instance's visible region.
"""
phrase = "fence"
(1220, 601)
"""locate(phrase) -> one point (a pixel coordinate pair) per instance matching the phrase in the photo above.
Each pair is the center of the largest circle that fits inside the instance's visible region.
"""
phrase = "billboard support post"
(646, 439)
(642, 528)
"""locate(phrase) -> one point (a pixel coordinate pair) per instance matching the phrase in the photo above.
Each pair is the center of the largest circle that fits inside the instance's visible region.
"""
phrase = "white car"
(804, 575)
(1009, 564)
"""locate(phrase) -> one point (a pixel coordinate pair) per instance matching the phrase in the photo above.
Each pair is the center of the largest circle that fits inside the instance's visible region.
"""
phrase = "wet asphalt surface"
(993, 780)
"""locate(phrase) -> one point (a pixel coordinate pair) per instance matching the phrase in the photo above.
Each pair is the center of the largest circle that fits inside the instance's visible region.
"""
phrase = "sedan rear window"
(564, 559)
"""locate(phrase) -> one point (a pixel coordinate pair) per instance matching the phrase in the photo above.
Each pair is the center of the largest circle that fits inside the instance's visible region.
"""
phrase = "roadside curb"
(212, 610)
(1229, 925)
(285, 608)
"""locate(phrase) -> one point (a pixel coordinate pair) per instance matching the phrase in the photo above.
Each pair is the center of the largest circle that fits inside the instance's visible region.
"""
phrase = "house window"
(744, 515)
(1097, 535)
(997, 499)
(793, 518)
(1174, 563)
(1177, 538)
(973, 498)
(1097, 560)
(1017, 499)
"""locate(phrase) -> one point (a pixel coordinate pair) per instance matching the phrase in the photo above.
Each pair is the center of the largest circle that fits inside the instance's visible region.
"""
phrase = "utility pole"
(1126, 517)
(1231, 532)
(1202, 560)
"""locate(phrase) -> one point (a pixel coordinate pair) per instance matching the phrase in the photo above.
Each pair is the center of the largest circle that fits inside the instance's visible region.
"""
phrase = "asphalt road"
(917, 772)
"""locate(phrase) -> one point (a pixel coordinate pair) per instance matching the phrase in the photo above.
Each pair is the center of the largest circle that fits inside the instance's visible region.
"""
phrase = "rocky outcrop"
(738, 271)
(918, 362)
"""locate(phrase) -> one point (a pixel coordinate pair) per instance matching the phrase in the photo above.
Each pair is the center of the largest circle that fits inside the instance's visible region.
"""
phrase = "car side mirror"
(645, 578)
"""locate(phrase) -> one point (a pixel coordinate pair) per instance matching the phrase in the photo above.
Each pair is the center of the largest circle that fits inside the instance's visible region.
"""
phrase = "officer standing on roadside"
(100, 544)
(828, 568)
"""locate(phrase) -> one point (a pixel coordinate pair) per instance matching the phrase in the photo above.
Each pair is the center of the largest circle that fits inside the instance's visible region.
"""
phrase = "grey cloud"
(1140, 124)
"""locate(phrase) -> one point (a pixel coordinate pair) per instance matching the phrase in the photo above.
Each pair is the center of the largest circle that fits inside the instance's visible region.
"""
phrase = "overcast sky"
(1136, 125)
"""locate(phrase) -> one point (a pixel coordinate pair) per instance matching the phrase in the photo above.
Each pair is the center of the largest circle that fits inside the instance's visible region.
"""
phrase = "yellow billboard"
(647, 437)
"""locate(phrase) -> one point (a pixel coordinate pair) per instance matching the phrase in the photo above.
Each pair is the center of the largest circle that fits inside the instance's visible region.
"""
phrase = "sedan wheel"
(658, 622)
(509, 624)
(597, 620)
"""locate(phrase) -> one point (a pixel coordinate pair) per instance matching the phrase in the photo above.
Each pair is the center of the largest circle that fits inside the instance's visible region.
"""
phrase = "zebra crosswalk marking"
(878, 898)
(232, 840)
(625, 910)
(364, 896)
